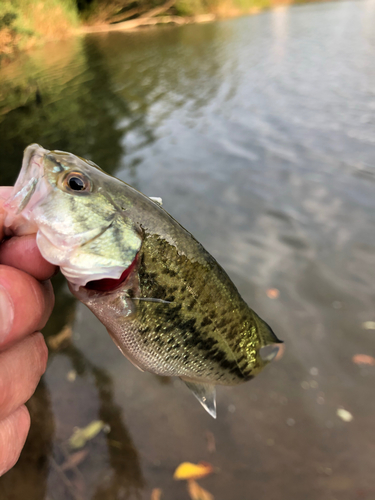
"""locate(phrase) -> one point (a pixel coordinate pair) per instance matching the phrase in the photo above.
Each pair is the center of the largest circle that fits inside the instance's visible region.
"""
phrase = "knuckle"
(41, 352)
(13, 432)
(4, 393)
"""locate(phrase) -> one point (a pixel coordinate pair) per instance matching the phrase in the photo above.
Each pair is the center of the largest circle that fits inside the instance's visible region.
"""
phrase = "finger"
(13, 434)
(22, 252)
(5, 192)
(21, 367)
(25, 304)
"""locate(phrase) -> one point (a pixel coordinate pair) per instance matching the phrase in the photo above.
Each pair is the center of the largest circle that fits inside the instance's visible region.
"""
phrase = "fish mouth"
(23, 217)
(60, 251)
(28, 191)
(111, 284)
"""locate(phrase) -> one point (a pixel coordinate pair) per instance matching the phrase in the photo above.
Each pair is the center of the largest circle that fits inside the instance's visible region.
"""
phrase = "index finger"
(25, 305)
(22, 252)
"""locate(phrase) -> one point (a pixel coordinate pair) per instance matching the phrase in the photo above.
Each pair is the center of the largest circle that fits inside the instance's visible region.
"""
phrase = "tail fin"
(266, 333)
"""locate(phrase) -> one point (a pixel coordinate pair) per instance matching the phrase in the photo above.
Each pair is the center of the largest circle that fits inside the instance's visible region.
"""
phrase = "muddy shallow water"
(259, 135)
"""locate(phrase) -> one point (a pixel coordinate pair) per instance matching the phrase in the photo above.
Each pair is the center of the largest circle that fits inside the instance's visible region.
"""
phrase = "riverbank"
(25, 24)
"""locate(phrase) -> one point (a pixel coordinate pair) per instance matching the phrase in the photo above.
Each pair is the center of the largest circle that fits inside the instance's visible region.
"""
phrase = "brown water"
(259, 135)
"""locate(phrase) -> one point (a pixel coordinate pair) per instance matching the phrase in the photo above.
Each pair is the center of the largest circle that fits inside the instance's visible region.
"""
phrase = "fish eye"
(76, 181)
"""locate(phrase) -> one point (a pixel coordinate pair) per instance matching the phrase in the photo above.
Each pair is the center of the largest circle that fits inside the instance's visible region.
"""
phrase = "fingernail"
(6, 313)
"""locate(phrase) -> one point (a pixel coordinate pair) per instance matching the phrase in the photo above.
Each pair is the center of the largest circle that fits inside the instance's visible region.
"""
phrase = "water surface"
(259, 135)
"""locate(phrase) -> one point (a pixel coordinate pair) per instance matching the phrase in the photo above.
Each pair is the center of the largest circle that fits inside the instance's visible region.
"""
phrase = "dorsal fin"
(206, 395)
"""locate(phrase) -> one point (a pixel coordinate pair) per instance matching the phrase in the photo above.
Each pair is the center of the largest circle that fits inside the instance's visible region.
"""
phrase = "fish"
(168, 305)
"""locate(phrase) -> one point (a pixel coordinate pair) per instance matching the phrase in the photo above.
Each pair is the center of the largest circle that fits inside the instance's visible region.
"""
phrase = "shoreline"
(146, 21)
(13, 47)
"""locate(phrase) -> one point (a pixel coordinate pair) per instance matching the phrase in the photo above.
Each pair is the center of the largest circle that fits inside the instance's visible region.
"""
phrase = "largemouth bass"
(167, 304)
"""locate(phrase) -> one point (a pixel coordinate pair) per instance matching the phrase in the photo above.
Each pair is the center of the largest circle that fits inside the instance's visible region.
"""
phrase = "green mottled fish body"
(166, 302)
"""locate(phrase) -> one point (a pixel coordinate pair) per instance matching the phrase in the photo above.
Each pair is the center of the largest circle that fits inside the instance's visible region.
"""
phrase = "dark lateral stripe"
(207, 344)
(199, 343)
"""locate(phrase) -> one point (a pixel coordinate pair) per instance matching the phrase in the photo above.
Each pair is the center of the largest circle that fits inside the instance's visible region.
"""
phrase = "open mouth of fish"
(29, 193)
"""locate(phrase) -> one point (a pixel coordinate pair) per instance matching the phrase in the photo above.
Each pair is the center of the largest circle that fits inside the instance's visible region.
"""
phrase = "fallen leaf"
(368, 325)
(62, 337)
(115, 444)
(156, 494)
(81, 436)
(71, 375)
(345, 415)
(187, 470)
(196, 492)
(211, 443)
(363, 359)
(74, 460)
(272, 293)
(79, 484)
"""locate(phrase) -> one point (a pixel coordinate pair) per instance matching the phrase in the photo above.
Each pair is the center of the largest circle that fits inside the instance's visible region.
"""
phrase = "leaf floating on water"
(61, 338)
(196, 492)
(156, 494)
(273, 293)
(71, 375)
(187, 470)
(368, 325)
(363, 359)
(345, 415)
(211, 443)
(81, 436)
(74, 459)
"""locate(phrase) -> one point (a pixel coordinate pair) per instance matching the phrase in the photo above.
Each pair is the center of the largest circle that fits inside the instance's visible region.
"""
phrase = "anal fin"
(206, 395)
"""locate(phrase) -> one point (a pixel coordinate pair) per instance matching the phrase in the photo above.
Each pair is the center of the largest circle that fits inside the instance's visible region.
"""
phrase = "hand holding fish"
(26, 301)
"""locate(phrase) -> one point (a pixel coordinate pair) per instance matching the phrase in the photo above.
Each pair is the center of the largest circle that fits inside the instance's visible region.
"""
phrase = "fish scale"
(209, 341)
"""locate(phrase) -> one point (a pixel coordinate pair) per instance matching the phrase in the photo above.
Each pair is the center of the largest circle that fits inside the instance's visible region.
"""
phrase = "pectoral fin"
(206, 395)
(149, 299)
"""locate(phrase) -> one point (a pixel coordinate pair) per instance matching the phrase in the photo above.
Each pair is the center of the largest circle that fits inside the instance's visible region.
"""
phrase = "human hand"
(26, 302)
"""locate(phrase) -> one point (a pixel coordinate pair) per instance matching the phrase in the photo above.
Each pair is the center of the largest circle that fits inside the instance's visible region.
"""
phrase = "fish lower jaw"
(83, 278)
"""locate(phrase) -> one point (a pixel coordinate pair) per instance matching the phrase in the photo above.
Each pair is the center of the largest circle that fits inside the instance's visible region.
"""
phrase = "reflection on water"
(258, 133)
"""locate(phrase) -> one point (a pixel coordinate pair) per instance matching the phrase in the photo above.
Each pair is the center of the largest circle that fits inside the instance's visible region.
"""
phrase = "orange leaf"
(363, 359)
(196, 492)
(187, 470)
(156, 494)
(74, 459)
(272, 293)
(58, 340)
(211, 443)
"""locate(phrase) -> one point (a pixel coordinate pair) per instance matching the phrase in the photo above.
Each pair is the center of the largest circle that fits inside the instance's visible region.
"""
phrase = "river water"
(259, 135)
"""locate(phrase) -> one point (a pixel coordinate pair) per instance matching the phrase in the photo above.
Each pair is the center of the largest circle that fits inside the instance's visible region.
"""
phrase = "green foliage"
(246, 5)
(7, 19)
(189, 7)
(24, 22)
